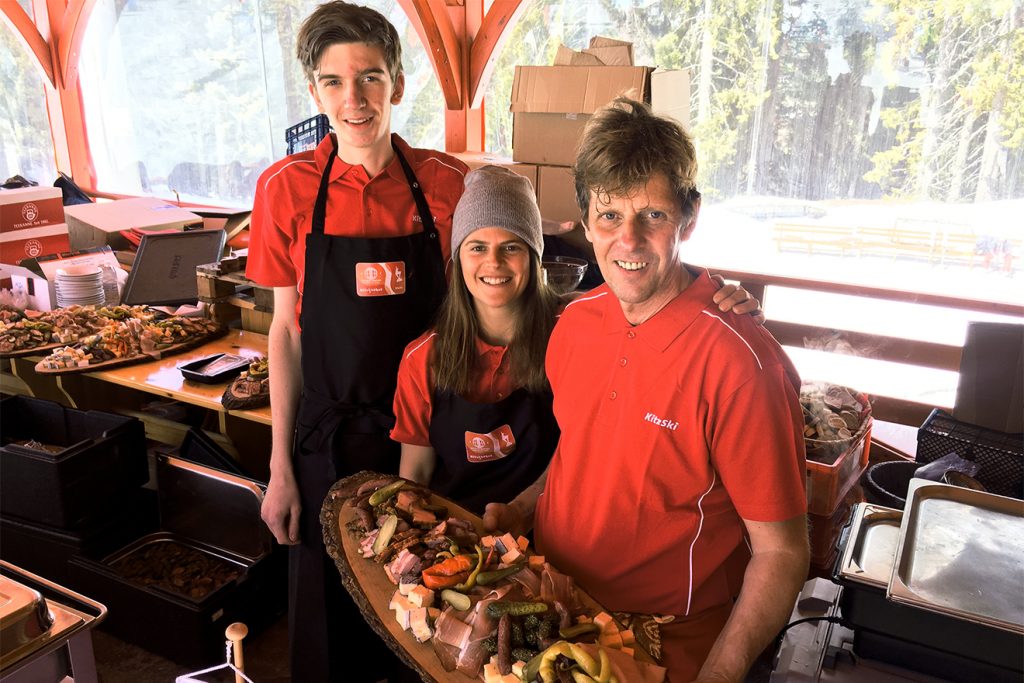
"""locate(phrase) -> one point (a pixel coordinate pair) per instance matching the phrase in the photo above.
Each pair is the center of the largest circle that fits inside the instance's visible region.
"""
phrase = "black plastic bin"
(103, 458)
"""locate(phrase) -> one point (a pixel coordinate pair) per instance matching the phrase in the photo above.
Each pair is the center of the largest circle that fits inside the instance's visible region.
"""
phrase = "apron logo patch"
(494, 446)
(380, 279)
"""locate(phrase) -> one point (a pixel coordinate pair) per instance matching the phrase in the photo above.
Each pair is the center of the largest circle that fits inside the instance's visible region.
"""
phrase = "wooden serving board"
(35, 350)
(371, 590)
(140, 358)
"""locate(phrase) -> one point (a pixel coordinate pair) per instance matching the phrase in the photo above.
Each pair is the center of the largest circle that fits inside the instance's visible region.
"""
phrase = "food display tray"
(868, 555)
(371, 590)
(961, 553)
(866, 558)
(215, 369)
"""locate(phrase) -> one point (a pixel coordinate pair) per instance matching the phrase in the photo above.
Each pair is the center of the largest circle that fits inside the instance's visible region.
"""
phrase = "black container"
(216, 514)
(886, 483)
(1000, 455)
(46, 550)
(218, 368)
(103, 458)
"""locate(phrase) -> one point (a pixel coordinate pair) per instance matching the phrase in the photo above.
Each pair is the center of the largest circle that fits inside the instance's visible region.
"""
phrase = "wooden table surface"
(163, 378)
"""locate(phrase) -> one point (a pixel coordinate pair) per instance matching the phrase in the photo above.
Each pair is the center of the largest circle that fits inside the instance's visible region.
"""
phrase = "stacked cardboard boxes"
(551, 105)
(99, 225)
(31, 223)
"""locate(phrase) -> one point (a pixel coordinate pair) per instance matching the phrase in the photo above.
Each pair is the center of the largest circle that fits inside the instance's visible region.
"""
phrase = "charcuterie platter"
(130, 341)
(455, 603)
(33, 333)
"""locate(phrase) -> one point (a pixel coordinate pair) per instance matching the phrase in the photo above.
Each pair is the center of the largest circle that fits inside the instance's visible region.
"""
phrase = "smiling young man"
(353, 237)
(676, 493)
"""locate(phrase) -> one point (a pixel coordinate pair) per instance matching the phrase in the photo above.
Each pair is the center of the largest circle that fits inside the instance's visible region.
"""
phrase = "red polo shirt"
(357, 206)
(414, 396)
(672, 431)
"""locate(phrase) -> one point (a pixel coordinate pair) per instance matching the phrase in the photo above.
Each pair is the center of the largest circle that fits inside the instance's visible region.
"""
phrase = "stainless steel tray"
(961, 553)
(871, 546)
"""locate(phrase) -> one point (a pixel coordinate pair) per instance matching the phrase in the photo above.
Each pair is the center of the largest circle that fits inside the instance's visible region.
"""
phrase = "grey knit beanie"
(495, 197)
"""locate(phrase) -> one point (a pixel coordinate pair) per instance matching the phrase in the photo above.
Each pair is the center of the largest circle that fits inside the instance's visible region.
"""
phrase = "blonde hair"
(624, 145)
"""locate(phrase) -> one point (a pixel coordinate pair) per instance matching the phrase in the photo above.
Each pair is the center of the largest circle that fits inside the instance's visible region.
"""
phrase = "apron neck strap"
(320, 207)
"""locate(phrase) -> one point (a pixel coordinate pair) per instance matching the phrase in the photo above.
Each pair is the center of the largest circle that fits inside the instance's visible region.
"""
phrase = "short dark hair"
(624, 145)
(342, 22)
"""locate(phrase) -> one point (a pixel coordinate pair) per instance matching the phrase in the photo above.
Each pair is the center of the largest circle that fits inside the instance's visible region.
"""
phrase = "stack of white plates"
(81, 285)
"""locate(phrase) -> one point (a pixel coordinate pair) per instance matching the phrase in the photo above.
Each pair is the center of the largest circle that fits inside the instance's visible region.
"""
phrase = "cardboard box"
(556, 194)
(40, 294)
(477, 159)
(24, 208)
(97, 225)
(552, 104)
(16, 245)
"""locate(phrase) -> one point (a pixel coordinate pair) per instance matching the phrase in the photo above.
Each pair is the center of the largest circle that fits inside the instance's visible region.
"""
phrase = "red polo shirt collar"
(341, 167)
(666, 325)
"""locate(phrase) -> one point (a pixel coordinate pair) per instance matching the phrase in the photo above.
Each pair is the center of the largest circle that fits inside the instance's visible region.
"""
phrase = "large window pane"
(198, 108)
(26, 147)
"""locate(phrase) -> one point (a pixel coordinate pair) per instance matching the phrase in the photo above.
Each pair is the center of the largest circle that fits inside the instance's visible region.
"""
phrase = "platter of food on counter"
(251, 389)
(28, 333)
(130, 340)
(456, 603)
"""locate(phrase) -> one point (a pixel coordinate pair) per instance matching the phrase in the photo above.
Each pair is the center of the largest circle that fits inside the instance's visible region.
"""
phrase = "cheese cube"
(487, 541)
(523, 543)
(628, 650)
(627, 636)
(537, 561)
(583, 619)
(433, 613)
(421, 596)
(518, 668)
(606, 622)
(507, 543)
(510, 678)
(511, 556)
(491, 674)
(418, 624)
(610, 639)
(405, 588)
(402, 608)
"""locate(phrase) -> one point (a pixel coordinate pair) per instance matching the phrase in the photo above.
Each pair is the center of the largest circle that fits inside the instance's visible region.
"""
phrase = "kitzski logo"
(661, 422)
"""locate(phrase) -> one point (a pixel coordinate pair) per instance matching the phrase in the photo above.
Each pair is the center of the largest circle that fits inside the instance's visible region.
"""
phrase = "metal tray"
(961, 553)
(871, 546)
(214, 369)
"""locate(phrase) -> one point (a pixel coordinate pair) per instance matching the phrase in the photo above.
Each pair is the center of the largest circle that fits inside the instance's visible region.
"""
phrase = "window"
(197, 109)
(868, 142)
(26, 147)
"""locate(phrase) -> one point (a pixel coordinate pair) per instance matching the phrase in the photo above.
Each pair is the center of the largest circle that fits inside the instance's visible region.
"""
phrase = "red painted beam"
(496, 28)
(22, 25)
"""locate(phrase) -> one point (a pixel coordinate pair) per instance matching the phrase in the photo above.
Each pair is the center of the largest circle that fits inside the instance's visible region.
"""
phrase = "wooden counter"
(163, 378)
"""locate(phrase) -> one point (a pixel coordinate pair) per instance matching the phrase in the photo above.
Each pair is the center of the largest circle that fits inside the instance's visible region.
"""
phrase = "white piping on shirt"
(700, 526)
(712, 315)
(416, 348)
(448, 165)
(297, 161)
(585, 298)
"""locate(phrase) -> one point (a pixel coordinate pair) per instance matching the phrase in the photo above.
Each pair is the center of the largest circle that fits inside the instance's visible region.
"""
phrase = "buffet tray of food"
(457, 603)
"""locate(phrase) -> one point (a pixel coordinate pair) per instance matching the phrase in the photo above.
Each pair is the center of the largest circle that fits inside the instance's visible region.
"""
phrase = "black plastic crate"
(1001, 456)
(307, 134)
(102, 460)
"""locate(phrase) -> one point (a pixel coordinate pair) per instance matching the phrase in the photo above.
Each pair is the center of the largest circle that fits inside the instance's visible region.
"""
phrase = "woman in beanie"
(472, 407)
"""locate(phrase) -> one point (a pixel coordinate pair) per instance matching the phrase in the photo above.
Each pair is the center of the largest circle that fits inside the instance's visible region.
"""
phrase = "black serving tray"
(216, 369)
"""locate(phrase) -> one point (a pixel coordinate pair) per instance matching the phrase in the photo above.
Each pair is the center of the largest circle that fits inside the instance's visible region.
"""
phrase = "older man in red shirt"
(677, 489)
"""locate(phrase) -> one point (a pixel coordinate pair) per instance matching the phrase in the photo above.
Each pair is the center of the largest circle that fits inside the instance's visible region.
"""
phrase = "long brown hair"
(454, 356)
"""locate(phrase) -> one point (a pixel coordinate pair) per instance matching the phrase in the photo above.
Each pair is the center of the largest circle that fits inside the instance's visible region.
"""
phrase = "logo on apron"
(380, 279)
(494, 446)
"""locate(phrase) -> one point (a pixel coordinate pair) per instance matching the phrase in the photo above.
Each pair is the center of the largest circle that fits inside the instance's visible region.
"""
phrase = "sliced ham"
(405, 564)
(554, 585)
(451, 630)
(472, 657)
(529, 582)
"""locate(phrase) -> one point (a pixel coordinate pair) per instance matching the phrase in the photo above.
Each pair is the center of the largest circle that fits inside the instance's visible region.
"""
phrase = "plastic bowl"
(563, 273)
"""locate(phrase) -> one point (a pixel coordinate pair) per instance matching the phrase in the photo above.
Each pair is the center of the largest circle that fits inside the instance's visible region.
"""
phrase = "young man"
(354, 238)
(676, 493)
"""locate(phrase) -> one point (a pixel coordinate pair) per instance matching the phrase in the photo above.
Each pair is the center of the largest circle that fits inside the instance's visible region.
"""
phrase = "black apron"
(353, 336)
(490, 452)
